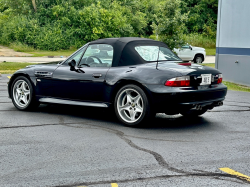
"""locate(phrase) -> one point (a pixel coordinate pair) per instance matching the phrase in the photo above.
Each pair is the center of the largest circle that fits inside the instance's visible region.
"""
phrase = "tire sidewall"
(145, 106)
(31, 93)
(197, 57)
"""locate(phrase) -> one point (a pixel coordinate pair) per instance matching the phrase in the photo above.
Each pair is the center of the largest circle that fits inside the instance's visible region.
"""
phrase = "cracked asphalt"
(59, 145)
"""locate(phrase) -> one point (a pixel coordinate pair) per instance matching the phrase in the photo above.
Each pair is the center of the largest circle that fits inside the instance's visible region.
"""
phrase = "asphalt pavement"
(209, 59)
(60, 145)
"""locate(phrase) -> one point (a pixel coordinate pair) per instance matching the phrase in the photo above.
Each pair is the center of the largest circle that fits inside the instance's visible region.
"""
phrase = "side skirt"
(68, 102)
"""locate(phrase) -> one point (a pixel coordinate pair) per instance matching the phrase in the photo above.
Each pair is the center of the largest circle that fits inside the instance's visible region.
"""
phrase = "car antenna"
(157, 59)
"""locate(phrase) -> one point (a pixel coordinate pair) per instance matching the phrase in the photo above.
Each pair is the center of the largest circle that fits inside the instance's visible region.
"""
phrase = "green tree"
(202, 16)
(170, 23)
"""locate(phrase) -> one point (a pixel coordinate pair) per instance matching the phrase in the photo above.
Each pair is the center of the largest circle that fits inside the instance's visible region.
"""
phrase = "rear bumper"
(203, 103)
(180, 98)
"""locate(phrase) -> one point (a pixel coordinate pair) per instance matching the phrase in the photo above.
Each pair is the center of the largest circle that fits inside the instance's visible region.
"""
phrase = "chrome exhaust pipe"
(198, 107)
(220, 103)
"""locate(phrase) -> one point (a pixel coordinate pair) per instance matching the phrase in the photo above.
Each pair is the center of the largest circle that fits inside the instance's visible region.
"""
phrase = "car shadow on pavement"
(161, 121)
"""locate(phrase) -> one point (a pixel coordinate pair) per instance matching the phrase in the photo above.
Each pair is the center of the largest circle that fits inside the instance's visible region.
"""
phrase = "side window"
(167, 54)
(185, 47)
(148, 53)
(97, 55)
(76, 56)
(156, 53)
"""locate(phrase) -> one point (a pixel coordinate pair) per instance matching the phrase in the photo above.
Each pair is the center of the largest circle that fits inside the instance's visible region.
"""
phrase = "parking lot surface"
(60, 145)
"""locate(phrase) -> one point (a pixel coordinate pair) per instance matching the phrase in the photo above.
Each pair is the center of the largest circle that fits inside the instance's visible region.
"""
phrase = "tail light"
(178, 82)
(219, 79)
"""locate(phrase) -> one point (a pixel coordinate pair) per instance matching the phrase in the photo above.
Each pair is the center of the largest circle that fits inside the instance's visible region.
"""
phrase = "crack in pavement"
(230, 111)
(212, 175)
(156, 139)
(38, 125)
(237, 105)
(161, 161)
(237, 102)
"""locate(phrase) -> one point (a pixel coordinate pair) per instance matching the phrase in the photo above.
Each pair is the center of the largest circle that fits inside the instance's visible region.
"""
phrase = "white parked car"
(191, 53)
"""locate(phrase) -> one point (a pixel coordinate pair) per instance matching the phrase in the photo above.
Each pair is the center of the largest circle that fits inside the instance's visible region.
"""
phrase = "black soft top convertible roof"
(124, 49)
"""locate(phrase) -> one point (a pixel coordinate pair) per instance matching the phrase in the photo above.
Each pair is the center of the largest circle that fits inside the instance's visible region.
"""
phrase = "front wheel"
(132, 107)
(193, 113)
(198, 59)
(22, 94)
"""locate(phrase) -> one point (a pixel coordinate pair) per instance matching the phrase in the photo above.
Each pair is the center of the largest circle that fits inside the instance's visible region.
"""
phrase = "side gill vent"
(43, 74)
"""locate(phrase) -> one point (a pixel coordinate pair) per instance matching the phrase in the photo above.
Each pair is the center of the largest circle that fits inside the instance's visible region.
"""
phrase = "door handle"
(96, 75)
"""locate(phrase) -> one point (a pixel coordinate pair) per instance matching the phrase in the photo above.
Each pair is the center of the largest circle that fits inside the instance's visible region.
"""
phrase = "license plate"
(206, 79)
(203, 87)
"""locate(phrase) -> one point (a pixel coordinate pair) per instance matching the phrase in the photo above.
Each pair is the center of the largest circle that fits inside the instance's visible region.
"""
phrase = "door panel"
(86, 84)
(186, 54)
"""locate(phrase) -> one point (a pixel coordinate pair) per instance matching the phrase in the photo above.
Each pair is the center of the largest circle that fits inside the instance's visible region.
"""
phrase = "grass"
(236, 87)
(230, 85)
(11, 67)
(209, 65)
(64, 53)
(19, 47)
(200, 40)
(210, 51)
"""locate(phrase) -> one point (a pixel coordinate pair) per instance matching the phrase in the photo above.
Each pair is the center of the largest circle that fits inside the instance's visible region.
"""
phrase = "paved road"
(209, 59)
(30, 59)
(78, 146)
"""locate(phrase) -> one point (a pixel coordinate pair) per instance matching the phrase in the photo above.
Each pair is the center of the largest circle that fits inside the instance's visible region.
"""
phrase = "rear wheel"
(132, 107)
(198, 59)
(193, 113)
(22, 94)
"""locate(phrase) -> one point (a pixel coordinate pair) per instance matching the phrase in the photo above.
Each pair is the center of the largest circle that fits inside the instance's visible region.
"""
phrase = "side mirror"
(72, 65)
(190, 48)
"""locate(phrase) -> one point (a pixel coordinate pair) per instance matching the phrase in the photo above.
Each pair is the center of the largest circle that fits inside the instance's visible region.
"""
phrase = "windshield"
(156, 53)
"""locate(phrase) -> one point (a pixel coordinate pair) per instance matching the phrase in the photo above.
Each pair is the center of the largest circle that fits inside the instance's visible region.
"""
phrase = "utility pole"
(34, 4)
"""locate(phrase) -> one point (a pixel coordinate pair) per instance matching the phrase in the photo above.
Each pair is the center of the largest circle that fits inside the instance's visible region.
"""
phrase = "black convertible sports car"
(138, 77)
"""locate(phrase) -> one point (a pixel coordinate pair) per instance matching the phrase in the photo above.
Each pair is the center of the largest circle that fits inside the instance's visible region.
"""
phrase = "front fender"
(28, 74)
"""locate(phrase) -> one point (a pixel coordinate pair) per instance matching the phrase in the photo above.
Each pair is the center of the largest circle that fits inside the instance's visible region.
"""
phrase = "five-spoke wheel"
(132, 105)
(22, 94)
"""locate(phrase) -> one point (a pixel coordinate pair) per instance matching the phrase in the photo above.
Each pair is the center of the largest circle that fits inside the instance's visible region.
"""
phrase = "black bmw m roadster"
(137, 77)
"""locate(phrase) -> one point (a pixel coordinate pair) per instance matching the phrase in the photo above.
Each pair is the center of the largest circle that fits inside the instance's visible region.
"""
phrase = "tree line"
(61, 24)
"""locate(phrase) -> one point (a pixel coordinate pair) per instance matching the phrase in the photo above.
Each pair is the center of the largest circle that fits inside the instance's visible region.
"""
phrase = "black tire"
(32, 103)
(193, 113)
(198, 58)
(144, 117)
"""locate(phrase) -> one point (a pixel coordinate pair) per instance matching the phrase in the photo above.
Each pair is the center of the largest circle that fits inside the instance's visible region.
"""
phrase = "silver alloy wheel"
(130, 105)
(198, 60)
(21, 93)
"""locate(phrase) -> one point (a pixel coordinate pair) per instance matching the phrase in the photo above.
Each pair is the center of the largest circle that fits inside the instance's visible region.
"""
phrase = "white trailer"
(233, 40)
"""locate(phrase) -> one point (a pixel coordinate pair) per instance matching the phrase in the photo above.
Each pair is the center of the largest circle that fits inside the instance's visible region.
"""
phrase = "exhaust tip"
(198, 107)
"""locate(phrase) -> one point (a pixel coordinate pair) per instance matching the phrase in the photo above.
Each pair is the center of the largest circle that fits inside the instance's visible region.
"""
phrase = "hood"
(198, 48)
(54, 63)
(40, 69)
